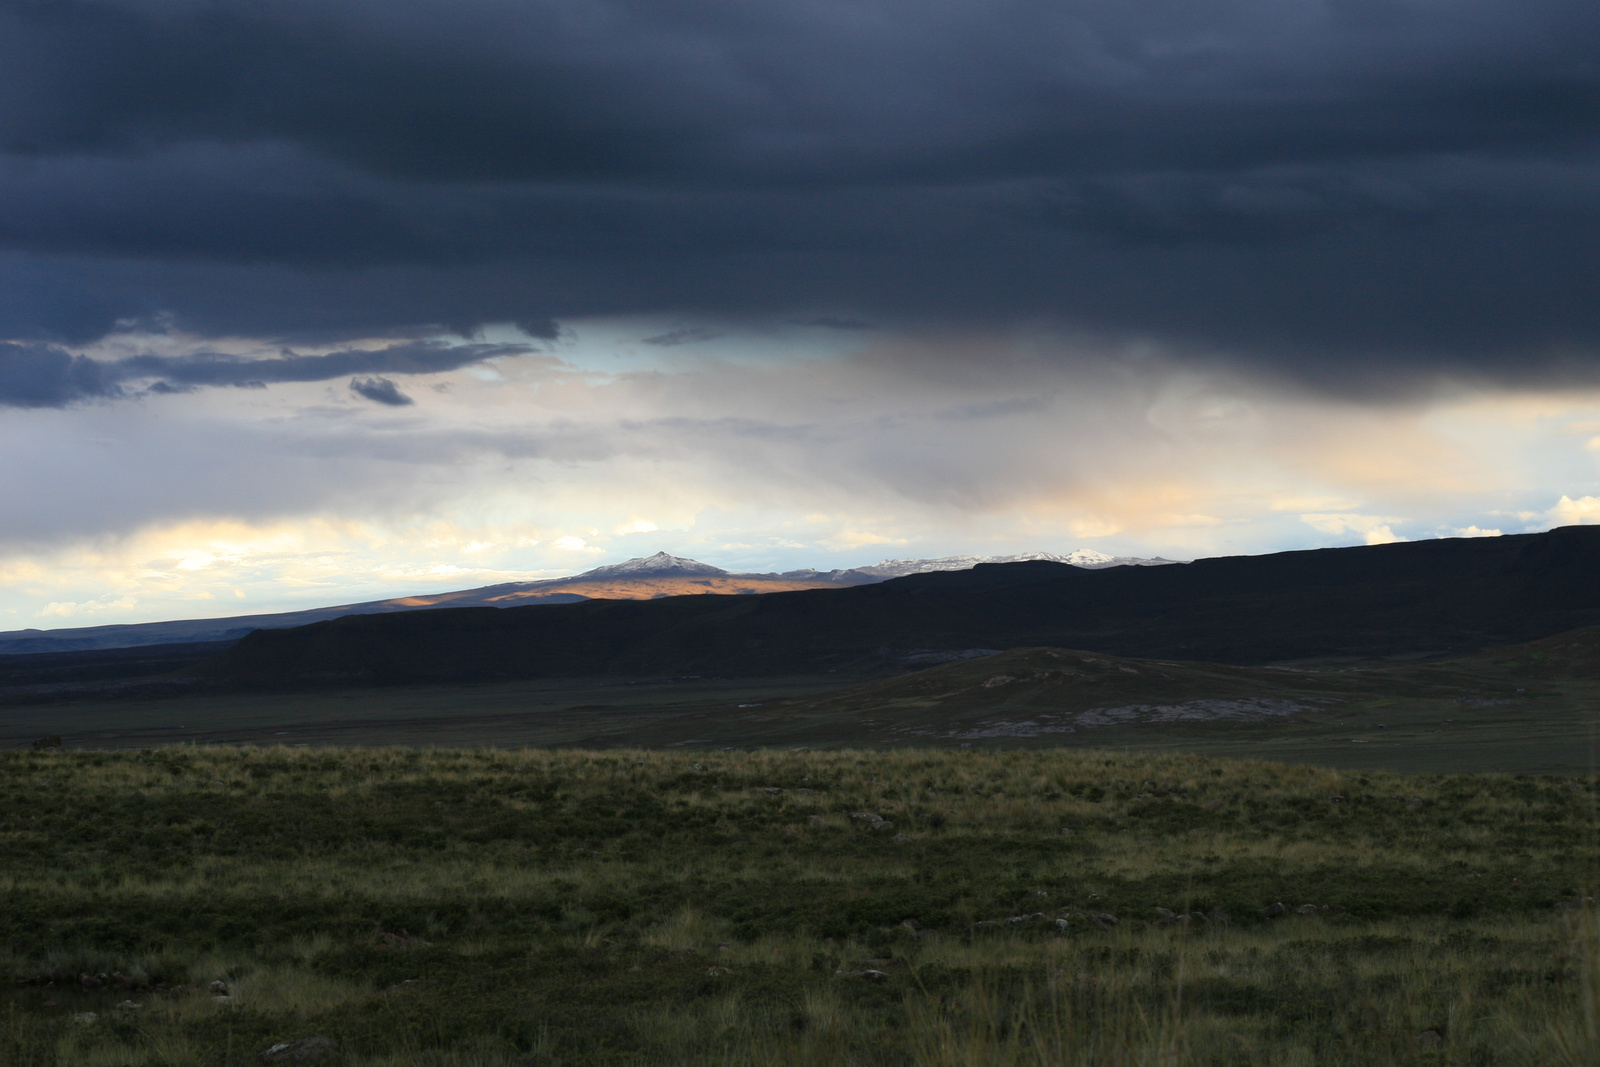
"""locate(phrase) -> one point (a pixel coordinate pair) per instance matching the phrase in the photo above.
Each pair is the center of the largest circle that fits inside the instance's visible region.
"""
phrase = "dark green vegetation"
(1450, 596)
(498, 907)
(1534, 706)
(1529, 707)
(41, 677)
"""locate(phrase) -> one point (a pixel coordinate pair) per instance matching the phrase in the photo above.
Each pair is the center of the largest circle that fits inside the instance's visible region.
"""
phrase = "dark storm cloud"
(40, 375)
(689, 335)
(43, 376)
(1375, 180)
(380, 391)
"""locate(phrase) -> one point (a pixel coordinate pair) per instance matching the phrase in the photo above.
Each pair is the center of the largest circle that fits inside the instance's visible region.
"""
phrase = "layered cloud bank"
(1375, 184)
(750, 451)
(337, 297)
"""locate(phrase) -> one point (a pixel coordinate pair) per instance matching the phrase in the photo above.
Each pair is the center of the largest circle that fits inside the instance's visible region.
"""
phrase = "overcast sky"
(309, 303)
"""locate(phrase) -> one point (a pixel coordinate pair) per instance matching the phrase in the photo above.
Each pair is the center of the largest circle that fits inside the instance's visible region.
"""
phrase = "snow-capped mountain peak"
(1086, 558)
(658, 565)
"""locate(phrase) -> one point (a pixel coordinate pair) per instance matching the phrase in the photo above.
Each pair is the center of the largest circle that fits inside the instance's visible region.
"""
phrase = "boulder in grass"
(300, 1050)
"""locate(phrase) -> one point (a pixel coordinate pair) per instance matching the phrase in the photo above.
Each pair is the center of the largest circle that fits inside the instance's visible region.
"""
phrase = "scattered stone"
(1277, 909)
(1104, 920)
(984, 924)
(998, 680)
(1306, 909)
(84, 1018)
(869, 817)
(1429, 1039)
(221, 1000)
(128, 1005)
(51, 741)
(1041, 892)
(1065, 832)
(218, 988)
(1018, 920)
(89, 981)
(814, 820)
(869, 974)
(1337, 799)
(899, 839)
(1062, 925)
(697, 767)
(771, 790)
(714, 971)
(910, 926)
(300, 1050)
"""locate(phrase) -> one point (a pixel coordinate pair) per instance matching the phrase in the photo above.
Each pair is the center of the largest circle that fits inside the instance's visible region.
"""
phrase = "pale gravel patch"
(1245, 709)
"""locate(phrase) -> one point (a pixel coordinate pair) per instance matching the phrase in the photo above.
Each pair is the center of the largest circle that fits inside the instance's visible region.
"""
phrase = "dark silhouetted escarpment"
(1426, 597)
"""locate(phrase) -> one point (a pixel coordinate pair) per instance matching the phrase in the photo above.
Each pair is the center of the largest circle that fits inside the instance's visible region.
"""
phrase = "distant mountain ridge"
(642, 578)
(1087, 558)
(1450, 596)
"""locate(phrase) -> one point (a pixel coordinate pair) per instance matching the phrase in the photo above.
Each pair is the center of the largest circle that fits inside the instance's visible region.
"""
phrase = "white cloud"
(1570, 512)
(69, 609)
(851, 538)
(1313, 503)
(1474, 531)
(1375, 529)
(570, 543)
(635, 525)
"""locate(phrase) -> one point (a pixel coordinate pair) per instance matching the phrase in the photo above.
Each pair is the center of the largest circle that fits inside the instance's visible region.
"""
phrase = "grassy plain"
(1528, 708)
(916, 906)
